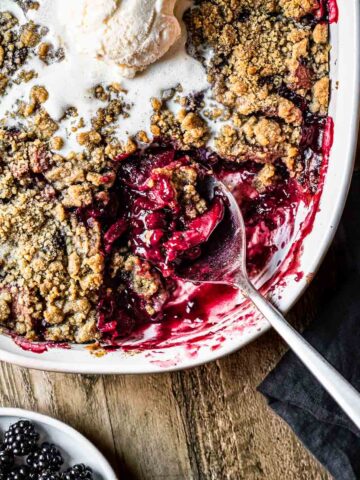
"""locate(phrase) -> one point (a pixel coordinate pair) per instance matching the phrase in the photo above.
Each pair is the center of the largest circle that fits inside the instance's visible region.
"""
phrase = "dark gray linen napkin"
(294, 394)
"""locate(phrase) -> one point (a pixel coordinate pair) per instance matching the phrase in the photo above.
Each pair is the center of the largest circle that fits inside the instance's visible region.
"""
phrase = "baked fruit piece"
(166, 211)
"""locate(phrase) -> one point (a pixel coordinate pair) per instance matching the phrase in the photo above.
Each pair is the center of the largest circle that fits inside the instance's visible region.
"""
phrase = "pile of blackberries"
(23, 457)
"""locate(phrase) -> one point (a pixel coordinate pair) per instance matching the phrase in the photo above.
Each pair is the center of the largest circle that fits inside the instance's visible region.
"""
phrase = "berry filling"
(162, 210)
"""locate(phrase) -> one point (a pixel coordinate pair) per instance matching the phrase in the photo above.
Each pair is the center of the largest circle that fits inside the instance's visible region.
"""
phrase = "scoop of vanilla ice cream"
(131, 33)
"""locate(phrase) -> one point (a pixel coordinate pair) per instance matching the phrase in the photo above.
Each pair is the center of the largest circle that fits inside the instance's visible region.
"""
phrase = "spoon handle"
(340, 389)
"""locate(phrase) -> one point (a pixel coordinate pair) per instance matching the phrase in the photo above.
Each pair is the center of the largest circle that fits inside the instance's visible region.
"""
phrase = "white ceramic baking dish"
(186, 349)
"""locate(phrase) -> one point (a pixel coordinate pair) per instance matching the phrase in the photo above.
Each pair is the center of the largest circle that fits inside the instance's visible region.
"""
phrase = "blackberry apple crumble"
(106, 177)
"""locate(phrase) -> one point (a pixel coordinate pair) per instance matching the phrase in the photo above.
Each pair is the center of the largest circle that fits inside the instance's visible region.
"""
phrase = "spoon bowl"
(224, 260)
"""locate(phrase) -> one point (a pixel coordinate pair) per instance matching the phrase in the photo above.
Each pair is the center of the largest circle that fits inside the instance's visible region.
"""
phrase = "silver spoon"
(225, 262)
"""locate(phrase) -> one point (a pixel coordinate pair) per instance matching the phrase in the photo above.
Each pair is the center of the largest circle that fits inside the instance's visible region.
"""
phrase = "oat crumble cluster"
(63, 268)
(17, 44)
(268, 57)
(51, 262)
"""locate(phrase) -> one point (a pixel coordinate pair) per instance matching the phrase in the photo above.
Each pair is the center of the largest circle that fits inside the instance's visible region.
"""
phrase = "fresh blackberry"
(78, 472)
(21, 438)
(45, 457)
(21, 472)
(47, 475)
(6, 460)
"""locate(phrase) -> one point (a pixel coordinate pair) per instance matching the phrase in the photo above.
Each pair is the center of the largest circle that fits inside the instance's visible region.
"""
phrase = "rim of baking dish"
(344, 107)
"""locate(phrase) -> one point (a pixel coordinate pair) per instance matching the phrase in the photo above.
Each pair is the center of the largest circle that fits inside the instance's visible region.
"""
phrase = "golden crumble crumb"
(298, 8)
(39, 94)
(320, 33)
(45, 126)
(142, 137)
(43, 50)
(89, 139)
(117, 87)
(29, 36)
(265, 177)
(268, 132)
(26, 76)
(57, 143)
(320, 96)
(289, 112)
(155, 129)
(3, 83)
(156, 104)
(130, 146)
(27, 109)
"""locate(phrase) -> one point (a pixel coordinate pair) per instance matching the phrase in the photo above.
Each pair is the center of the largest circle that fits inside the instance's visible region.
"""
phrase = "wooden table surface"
(208, 423)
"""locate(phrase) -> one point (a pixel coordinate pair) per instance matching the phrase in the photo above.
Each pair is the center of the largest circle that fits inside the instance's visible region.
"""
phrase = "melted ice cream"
(70, 82)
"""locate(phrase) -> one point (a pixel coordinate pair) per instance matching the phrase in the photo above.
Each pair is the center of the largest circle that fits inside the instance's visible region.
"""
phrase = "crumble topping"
(52, 263)
(146, 283)
(66, 262)
(50, 268)
(17, 42)
(188, 127)
(264, 54)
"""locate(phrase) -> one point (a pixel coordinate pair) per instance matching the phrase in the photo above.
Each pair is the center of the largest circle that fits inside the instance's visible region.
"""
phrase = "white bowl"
(74, 447)
(193, 344)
